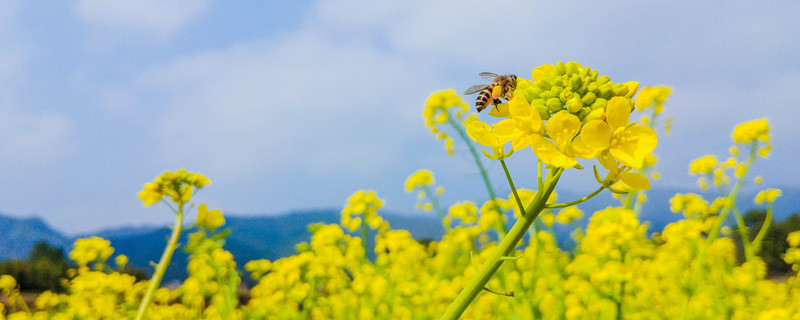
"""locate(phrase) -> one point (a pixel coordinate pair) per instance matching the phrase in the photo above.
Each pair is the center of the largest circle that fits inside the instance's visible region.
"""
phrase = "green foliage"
(774, 243)
(43, 270)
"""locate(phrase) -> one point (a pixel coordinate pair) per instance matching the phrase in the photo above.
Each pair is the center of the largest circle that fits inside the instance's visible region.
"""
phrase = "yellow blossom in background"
(364, 204)
(703, 165)
(751, 131)
(768, 196)
(548, 218)
(438, 110)
(419, 179)
(466, 211)
(93, 249)
(569, 214)
(652, 96)
(178, 185)
(210, 219)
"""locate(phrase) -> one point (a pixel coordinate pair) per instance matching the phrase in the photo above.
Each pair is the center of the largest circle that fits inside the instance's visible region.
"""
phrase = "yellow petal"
(501, 110)
(635, 180)
(596, 134)
(562, 127)
(519, 107)
(548, 153)
(481, 133)
(618, 111)
(636, 142)
(541, 71)
(580, 149)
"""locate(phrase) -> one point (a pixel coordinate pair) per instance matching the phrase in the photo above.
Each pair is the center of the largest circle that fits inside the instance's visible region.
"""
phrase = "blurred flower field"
(571, 118)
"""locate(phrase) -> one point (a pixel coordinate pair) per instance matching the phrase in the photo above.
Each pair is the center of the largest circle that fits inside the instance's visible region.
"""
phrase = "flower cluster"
(363, 204)
(178, 185)
(566, 112)
(442, 108)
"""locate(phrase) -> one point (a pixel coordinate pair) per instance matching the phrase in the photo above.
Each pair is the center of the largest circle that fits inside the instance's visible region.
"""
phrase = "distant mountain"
(18, 235)
(273, 237)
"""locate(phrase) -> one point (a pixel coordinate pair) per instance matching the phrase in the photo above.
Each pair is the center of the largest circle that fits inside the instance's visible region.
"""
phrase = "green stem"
(513, 188)
(763, 231)
(506, 246)
(572, 203)
(436, 206)
(162, 264)
(463, 134)
(364, 235)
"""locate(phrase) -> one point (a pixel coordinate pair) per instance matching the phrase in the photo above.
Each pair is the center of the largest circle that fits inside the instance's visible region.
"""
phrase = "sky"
(292, 105)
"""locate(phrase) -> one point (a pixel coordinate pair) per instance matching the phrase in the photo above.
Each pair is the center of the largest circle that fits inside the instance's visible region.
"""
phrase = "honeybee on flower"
(501, 87)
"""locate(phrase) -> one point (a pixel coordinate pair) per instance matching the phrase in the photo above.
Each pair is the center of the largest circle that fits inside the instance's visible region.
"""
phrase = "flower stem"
(436, 206)
(506, 246)
(513, 188)
(162, 264)
(572, 203)
(763, 231)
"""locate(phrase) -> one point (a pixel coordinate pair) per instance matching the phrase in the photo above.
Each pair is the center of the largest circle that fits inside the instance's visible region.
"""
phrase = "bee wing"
(475, 88)
(488, 76)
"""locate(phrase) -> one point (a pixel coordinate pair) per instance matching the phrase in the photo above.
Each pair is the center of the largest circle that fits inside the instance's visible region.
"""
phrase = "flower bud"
(574, 105)
(553, 105)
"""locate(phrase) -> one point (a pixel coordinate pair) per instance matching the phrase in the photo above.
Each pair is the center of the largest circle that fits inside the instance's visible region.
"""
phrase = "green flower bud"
(573, 67)
(566, 95)
(575, 81)
(547, 95)
(592, 87)
(584, 112)
(558, 82)
(603, 80)
(620, 89)
(554, 104)
(599, 103)
(574, 104)
(560, 68)
(542, 109)
(588, 98)
(593, 74)
(605, 91)
(584, 72)
(556, 90)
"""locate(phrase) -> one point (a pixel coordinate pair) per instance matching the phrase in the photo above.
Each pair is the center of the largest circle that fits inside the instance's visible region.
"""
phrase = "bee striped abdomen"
(484, 97)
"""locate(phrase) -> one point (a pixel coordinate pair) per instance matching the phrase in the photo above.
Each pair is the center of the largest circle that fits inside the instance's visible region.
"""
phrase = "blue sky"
(294, 105)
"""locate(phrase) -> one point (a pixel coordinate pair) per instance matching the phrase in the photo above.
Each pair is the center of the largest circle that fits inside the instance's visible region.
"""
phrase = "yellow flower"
(617, 173)
(628, 143)
(523, 127)
(750, 131)
(561, 128)
(483, 134)
(652, 96)
(364, 204)
(569, 214)
(422, 177)
(767, 196)
(211, 219)
(548, 218)
(703, 165)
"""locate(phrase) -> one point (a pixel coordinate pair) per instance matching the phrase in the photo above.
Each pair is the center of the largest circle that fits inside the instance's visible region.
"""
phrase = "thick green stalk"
(506, 246)
(463, 134)
(172, 244)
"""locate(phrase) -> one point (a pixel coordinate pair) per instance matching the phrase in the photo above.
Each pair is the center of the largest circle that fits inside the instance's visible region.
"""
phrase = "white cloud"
(300, 101)
(162, 18)
(33, 137)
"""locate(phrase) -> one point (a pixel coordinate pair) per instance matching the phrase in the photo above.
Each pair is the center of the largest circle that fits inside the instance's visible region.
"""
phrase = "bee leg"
(496, 102)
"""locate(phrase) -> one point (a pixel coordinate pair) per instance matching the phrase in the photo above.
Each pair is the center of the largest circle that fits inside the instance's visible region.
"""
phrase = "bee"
(501, 87)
